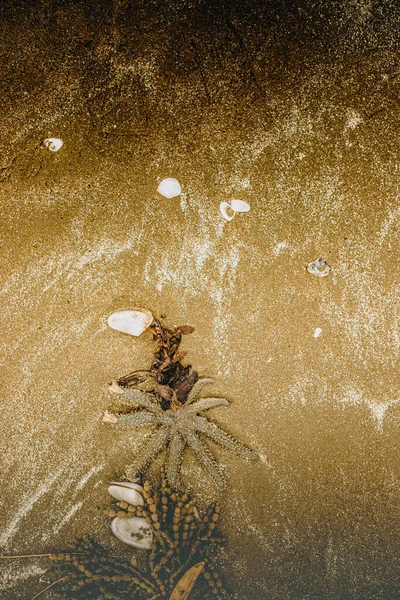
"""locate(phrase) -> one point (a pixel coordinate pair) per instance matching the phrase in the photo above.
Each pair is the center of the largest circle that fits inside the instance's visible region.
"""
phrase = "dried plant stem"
(50, 586)
(5, 556)
(23, 555)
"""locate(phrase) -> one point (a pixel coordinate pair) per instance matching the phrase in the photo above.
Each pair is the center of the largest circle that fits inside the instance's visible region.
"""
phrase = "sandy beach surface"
(292, 107)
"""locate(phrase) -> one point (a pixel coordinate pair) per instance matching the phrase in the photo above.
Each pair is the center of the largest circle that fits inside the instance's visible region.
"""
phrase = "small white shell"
(114, 388)
(134, 531)
(240, 206)
(317, 332)
(128, 484)
(126, 494)
(53, 144)
(109, 418)
(169, 188)
(133, 322)
(227, 211)
(319, 267)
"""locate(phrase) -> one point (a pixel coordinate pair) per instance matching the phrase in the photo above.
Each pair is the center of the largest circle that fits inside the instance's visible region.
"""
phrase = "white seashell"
(317, 332)
(114, 388)
(109, 418)
(134, 531)
(126, 494)
(170, 188)
(226, 211)
(53, 144)
(128, 484)
(319, 267)
(133, 322)
(240, 206)
(229, 209)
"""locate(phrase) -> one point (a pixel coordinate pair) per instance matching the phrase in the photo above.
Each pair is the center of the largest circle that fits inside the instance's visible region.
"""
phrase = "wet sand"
(293, 109)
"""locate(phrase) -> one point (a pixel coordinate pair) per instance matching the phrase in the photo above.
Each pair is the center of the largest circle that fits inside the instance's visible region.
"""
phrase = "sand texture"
(291, 107)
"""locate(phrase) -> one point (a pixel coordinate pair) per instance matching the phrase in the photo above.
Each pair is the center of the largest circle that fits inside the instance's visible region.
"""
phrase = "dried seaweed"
(172, 404)
(172, 380)
(182, 538)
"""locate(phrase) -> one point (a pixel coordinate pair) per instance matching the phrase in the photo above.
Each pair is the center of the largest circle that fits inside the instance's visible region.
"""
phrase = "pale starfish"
(177, 428)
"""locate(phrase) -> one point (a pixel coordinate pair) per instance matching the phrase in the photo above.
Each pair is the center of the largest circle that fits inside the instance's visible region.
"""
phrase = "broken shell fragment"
(226, 211)
(109, 418)
(53, 144)
(126, 492)
(134, 531)
(114, 388)
(169, 188)
(134, 322)
(319, 267)
(240, 206)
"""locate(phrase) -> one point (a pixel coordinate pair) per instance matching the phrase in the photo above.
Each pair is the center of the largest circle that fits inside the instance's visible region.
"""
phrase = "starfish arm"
(206, 458)
(222, 438)
(196, 389)
(149, 453)
(204, 404)
(141, 399)
(174, 459)
(136, 418)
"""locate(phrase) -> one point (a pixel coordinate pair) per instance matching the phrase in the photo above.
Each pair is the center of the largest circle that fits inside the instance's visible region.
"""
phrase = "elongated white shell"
(53, 144)
(134, 531)
(126, 494)
(227, 211)
(240, 206)
(133, 322)
(169, 188)
(128, 484)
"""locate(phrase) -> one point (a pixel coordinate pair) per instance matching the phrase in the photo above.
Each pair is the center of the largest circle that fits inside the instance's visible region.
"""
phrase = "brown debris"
(183, 538)
(185, 585)
(173, 381)
(182, 561)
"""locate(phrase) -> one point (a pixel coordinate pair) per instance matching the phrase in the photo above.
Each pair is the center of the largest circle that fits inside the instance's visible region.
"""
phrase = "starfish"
(177, 428)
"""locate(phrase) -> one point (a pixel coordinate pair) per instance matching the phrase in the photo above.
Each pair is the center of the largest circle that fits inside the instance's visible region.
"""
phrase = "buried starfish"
(178, 427)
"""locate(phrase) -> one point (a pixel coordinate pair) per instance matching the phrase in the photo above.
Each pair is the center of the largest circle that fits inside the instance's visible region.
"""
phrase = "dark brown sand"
(292, 107)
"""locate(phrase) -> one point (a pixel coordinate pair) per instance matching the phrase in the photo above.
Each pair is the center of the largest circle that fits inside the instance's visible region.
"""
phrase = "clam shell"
(134, 531)
(240, 206)
(319, 268)
(225, 210)
(126, 493)
(134, 322)
(169, 188)
(53, 144)
(128, 484)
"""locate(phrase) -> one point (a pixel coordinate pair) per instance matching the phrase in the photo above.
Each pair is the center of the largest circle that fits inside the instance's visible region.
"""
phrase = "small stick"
(35, 555)
(49, 586)
(24, 555)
